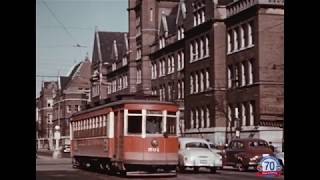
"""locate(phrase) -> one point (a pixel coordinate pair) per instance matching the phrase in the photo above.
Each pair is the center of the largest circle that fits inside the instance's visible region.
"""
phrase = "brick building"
(255, 61)
(45, 113)
(220, 60)
(72, 94)
(109, 58)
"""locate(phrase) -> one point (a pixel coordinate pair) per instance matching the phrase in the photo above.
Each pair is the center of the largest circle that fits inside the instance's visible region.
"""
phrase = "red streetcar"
(132, 137)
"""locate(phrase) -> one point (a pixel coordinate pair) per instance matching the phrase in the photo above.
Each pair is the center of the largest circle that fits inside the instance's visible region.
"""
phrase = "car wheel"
(241, 167)
(213, 170)
(182, 168)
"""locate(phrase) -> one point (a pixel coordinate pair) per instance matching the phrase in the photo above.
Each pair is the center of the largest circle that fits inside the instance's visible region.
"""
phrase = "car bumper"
(217, 163)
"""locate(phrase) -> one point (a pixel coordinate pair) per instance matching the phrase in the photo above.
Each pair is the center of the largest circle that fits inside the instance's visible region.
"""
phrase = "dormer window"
(180, 32)
(124, 61)
(161, 42)
(114, 66)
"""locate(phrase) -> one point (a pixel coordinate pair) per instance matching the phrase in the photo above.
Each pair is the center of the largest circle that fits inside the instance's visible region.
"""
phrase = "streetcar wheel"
(196, 169)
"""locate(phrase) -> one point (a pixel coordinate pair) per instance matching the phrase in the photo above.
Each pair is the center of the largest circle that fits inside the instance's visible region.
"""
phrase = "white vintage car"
(195, 153)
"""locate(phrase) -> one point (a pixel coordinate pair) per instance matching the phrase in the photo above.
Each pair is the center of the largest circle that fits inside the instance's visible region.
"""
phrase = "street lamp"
(57, 152)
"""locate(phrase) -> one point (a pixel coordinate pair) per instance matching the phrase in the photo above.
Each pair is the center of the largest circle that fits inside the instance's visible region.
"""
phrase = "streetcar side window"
(135, 124)
(171, 125)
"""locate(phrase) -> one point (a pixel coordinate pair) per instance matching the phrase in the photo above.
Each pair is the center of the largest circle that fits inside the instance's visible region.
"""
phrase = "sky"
(61, 25)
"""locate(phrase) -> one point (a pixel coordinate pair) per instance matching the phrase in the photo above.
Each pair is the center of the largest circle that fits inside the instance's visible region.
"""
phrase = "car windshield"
(255, 144)
(197, 145)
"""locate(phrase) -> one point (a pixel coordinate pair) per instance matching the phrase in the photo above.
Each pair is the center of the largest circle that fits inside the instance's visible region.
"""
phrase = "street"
(54, 169)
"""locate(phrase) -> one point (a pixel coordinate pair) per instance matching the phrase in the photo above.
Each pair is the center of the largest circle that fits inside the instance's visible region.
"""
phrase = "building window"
(251, 112)
(243, 77)
(242, 39)
(191, 119)
(202, 16)
(191, 84)
(120, 83)
(207, 46)
(229, 115)
(201, 82)
(172, 63)
(197, 118)
(151, 14)
(69, 109)
(207, 79)
(236, 78)
(250, 72)
(152, 71)
(243, 114)
(191, 52)
(202, 118)
(182, 59)
(124, 61)
(49, 102)
(196, 83)
(229, 42)
(160, 68)
(182, 89)
(114, 66)
(179, 61)
(169, 92)
(182, 32)
(250, 34)
(179, 90)
(235, 40)
(229, 77)
(208, 116)
(196, 54)
(76, 108)
(163, 67)
(138, 75)
(169, 64)
(201, 48)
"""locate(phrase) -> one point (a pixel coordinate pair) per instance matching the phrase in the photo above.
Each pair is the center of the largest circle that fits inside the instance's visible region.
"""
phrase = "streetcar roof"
(126, 101)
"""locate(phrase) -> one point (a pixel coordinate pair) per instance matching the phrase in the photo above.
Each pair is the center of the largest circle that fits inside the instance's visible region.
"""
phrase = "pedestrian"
(271, 146)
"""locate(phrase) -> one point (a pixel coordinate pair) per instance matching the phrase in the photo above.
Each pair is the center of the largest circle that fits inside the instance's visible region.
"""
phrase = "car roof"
(248, 139)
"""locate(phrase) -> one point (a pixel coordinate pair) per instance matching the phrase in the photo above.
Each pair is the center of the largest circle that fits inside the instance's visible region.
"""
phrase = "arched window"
(197, 118)
(243, 114)
(251, 112)
(207, 79)
(250, 72)
(250, 34)
(196, 82)
(229, 77)
(202, 117)
(207, 46)
(229, 42)
(191, 51)
(243, 77)
(208, 116)
(191, 119)
(201, 48)
(242, 39)
(201, 82)
(235, 40)
(179, 90)
(191, 84)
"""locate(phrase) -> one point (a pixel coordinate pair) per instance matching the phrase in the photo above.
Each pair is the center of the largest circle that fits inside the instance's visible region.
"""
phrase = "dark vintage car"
(245, 153)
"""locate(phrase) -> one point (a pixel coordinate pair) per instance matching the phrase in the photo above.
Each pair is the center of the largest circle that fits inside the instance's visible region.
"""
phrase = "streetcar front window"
(135, 124)
(154, 124)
